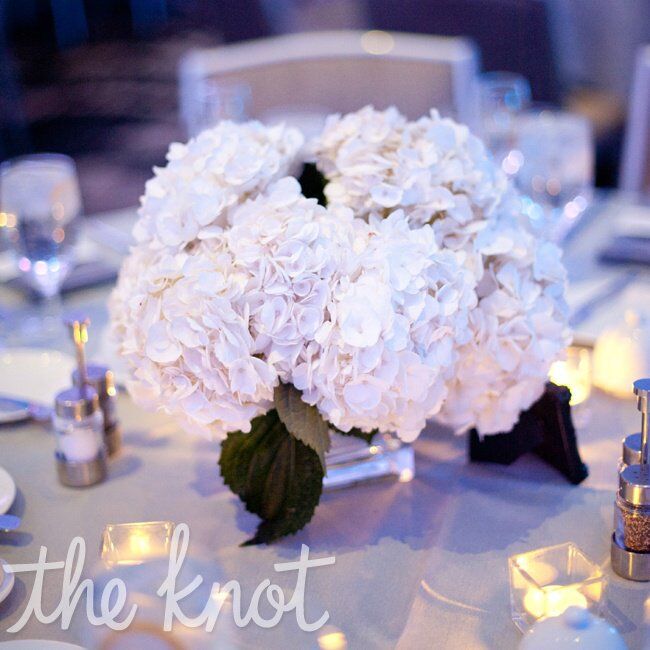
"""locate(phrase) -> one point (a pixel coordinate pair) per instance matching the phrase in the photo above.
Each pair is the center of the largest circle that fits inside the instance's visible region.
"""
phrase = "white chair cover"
(337, 72)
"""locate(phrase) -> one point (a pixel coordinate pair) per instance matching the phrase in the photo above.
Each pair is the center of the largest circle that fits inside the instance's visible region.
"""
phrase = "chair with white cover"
(341, 71)
(635, 170)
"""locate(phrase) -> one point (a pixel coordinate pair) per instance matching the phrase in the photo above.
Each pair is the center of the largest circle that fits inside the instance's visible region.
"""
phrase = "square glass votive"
(547, 581)
(135, 543)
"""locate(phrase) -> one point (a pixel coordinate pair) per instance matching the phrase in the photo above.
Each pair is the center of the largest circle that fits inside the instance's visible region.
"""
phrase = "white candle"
(552, 600)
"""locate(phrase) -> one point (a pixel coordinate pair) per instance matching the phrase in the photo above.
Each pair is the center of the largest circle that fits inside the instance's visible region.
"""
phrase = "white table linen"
(418, 565)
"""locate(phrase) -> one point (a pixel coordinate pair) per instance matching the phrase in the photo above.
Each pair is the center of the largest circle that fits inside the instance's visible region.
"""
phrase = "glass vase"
(351, 460)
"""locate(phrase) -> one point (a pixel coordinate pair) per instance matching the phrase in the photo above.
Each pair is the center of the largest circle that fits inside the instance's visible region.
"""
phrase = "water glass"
(557, 168)
(40, 204)
(503, 96)
(214, 101)
(40, 196)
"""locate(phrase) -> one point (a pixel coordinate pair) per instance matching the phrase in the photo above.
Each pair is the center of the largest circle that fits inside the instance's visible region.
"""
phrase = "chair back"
(342, 71)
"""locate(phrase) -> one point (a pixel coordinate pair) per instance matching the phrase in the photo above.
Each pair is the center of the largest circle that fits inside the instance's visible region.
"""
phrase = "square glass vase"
(547, 581)
(351, 460)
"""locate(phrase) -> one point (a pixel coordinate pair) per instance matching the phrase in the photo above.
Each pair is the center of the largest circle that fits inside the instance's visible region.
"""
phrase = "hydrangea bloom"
(419, 291)
(195, 192)
(209, 330)
(398, 312)
(439, 174)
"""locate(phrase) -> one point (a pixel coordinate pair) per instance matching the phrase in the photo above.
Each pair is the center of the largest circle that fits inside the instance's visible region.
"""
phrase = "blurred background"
(98, 79)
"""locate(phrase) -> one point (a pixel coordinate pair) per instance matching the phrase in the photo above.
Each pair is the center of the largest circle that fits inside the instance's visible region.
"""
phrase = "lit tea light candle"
(136, 543)
(545, 582)
(553, 600)
(621, 355)
(574, 372)
(332, 639)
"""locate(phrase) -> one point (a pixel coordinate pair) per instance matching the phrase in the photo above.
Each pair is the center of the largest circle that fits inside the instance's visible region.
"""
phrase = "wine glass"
(213, 101)
(41, 203)
(503, 96)
(557, 168)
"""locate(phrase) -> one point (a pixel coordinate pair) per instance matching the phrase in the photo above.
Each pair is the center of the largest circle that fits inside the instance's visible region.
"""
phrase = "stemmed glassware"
(40, 203)
(213, 101)
(557, 168)
(503, 96)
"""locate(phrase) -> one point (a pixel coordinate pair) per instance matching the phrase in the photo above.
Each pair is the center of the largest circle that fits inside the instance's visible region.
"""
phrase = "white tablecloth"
(418, 565)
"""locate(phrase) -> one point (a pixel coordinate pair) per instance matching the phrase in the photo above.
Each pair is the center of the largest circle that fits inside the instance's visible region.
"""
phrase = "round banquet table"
(418, 565)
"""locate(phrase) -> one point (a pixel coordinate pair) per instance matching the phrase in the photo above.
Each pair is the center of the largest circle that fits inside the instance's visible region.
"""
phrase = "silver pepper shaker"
(101, 378)
(630, 550)
(79, 424)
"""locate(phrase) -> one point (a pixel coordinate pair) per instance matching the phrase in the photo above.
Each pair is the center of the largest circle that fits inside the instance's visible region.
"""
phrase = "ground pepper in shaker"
(631, 539)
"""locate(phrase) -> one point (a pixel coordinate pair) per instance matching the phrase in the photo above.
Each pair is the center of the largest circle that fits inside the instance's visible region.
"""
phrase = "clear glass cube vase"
(351, 460)
(547, 581)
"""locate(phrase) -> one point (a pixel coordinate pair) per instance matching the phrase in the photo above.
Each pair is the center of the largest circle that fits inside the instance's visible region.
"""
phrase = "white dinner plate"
(33, 374)
(6, 581)
(38, 644)
(7, 490)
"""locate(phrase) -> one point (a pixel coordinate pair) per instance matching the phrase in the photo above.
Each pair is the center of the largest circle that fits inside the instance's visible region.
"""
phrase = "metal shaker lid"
(100, 377)
(634, 484)
(632, 449)
(76, 403)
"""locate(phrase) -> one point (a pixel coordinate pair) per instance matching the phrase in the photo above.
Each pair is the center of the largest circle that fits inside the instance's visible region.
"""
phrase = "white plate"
(38, 644)
(7, 490)
(34, 374)
(6, 582)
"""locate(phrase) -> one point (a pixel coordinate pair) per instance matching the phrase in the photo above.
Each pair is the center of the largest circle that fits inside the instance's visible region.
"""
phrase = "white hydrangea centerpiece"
(258, 316)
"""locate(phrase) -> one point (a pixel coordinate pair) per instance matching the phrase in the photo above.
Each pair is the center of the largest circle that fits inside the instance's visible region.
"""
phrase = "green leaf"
(302, 420)
(278, 478)
(357, 433)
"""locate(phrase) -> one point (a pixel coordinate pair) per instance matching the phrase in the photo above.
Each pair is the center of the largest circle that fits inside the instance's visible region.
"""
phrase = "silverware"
(15, 410)
(9, 522)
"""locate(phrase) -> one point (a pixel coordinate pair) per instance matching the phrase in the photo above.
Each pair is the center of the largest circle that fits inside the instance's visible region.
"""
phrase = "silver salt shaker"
(79, 422)
(101, 378)
(79, 432)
